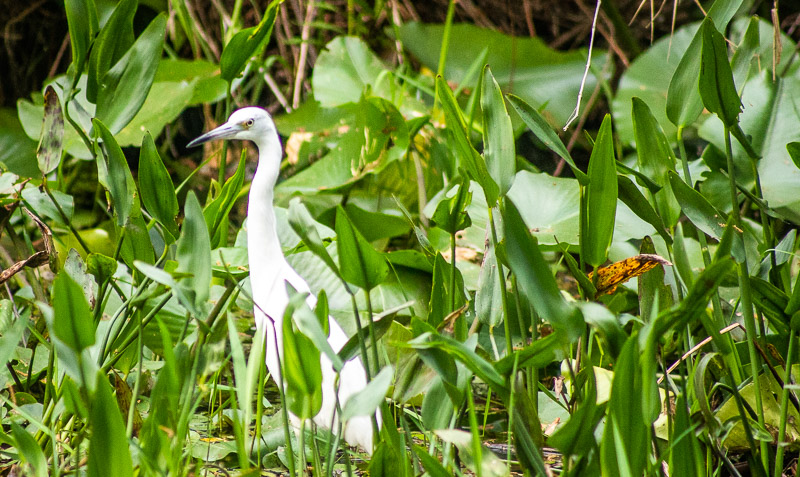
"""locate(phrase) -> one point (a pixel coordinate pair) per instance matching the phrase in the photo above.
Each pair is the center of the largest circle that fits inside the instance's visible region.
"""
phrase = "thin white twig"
(576, 112)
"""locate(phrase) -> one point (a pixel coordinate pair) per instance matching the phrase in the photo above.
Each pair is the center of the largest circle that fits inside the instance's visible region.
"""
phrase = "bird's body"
(269, 273)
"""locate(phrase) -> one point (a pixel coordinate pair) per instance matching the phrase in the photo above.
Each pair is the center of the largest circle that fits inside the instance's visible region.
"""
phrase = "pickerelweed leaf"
(544, 132)
(108, 448)
(111, 43)
(498, 136)
(359, 263)
(158, 191)
(120, 183)
(468, 157)
(716, 78)
(601, 198)
(72, 318)
(52, 136)
(123, 88)
(83, 26)
(247, 43)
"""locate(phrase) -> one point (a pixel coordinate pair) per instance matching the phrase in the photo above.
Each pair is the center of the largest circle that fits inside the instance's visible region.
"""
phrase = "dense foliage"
(439, 210)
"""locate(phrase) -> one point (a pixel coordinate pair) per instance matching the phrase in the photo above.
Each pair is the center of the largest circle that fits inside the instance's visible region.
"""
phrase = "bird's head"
(251, 124)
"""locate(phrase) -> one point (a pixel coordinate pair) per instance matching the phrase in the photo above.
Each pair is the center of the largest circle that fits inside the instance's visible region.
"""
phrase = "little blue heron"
(269, 272)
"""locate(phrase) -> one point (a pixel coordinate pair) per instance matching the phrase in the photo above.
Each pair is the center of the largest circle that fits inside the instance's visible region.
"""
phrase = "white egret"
(269, 272)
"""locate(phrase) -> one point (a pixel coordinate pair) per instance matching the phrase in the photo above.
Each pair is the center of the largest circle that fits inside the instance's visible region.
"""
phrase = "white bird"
(269, 272)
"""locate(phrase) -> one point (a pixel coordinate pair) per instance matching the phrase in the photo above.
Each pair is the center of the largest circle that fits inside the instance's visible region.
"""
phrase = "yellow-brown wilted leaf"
(620, 272)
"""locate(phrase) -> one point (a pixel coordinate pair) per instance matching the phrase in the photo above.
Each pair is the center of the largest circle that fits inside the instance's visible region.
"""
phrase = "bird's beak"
(225, 131)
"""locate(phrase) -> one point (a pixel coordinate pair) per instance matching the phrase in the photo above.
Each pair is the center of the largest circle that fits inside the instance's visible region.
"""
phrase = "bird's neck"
(263, 246)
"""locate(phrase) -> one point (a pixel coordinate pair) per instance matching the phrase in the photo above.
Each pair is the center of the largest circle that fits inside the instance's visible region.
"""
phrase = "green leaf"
(158, 191)
(114, 40)
(123, 89)
(83, 25)
(625, 419)
(600, 198)
(17, 150)
(306, 227)
(794, 152)
(119, 180)
(72, 318)
(498, 136)
(108, 447)
(716, 78)
(344, 70)
(301, 366)
(451, 214)
(216, 213)
(684, 103)
(369, 399)
(631, 196)
(247, 43)
(656, 159)
(360, 264)
(488, 298)
(52, 136)
(469, 158)
(535, 277)
(544, 132)
(29, 450)
(542, 76)
(703, 215)
(194, 254)
(685, 457)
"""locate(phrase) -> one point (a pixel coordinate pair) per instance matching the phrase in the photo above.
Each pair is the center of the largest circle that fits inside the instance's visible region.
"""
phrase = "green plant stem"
(503, 295)
(64, 218)
(127, 342)
(473, 425)
(448, 24)
(747, 304)
(136, 385)
(371, 329)
(734, 363)
(787, 379)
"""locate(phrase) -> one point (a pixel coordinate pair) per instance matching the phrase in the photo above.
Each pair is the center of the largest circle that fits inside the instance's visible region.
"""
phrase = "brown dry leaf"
(294, 143)
(124, 395)
(35, 260)
(620, 272)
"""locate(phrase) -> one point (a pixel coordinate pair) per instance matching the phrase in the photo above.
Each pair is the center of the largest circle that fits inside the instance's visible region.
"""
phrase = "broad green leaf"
(793, 148)
(544, 132)
(535, 278)
(703, 215)
(684, 104)
(136, 243)
(601, 198)
(469, 158)
(451, 215)
(375, 225)
(158, 191)
(83, 25)
(113, 41)
(247, 43)
(630, 195)
(344, 70)
(72, 318)
(369, 399)
(431, 464)
(306, 227)
(123, 89)
(744, 59)
(108, 447)
(309, 324)
(542, 76)
(488, 298)
(441, 296)
(216, 213)
(194, 252)
(498, 136)
(17, 150)
(716, 78)
(359, 263)
(301, 365)
(29, 450)
(119, 180)
(656, 159)
(52, 136)
(39, 201)
(685, 457)
(625, 416)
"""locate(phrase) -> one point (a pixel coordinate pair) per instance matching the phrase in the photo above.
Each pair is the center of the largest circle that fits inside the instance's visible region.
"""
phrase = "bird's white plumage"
(269, 272)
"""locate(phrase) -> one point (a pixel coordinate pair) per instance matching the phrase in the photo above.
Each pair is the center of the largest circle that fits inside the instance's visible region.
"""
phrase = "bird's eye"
(249, 122)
